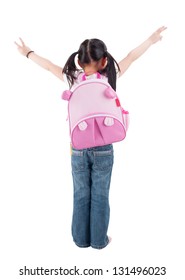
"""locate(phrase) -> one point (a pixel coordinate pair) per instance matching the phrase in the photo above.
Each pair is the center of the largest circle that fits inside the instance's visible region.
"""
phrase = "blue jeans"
(91, 170)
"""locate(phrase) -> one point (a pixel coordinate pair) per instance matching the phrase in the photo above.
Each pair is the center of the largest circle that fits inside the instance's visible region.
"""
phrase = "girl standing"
(92, 167)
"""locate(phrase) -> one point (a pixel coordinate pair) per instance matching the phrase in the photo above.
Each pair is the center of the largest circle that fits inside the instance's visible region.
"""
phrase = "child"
(92, 167)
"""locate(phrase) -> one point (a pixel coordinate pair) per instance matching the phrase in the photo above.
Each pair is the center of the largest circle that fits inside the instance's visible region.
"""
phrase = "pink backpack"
(96, 117)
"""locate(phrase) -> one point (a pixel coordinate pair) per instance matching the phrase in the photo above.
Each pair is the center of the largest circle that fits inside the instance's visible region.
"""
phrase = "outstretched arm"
(41, 61)
(141, 49)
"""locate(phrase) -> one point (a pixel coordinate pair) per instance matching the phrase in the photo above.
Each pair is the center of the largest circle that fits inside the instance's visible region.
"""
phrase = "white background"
(146, 197)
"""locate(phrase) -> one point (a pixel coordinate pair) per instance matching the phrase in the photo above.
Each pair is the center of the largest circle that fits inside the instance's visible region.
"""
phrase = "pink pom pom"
(66, 94)
(110, 93)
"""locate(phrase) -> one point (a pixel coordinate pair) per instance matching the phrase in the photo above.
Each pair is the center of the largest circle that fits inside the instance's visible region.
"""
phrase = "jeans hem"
(99, 247)
(82, 246)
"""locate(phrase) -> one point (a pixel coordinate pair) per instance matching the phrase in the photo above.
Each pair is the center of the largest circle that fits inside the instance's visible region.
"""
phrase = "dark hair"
(92, 50)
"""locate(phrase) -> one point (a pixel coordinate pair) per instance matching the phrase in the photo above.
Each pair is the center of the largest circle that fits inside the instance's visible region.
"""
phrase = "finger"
(23, 44)
(17, 44)
(161, 29)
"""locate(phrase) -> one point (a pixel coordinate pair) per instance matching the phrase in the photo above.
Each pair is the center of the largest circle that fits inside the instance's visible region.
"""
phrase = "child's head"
(92, 52)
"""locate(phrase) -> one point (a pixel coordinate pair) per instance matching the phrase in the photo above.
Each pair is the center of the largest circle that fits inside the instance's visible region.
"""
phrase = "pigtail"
(111, 70)
(70, 69)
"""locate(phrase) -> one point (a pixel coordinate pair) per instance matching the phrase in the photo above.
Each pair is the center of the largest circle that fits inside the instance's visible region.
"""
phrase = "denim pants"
(91, 171)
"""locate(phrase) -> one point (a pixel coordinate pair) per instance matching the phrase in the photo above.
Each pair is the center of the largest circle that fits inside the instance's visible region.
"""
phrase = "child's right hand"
(156, 36)
(22, 48)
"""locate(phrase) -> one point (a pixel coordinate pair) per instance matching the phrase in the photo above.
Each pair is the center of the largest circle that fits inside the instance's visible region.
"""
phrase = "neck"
(89, 72)
(90, 69)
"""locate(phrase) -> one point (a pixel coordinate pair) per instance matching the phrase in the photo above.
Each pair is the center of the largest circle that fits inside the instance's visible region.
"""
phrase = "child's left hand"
(22, 48)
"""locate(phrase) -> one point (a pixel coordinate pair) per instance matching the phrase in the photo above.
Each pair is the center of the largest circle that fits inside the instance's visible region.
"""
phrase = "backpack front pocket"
(98, 130)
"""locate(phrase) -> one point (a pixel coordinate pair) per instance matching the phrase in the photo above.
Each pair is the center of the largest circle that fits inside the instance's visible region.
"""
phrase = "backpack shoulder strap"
(84, 77)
